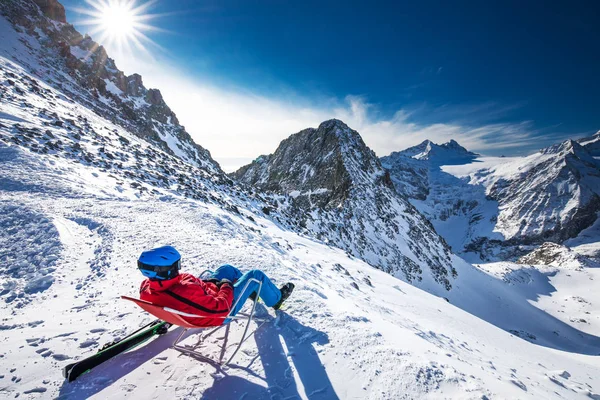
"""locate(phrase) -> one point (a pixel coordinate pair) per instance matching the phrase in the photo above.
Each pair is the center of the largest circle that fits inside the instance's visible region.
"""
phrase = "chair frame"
(175, 318)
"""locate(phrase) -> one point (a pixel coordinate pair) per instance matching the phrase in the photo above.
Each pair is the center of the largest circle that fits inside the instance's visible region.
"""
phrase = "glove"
(224, 282)
(212, 280)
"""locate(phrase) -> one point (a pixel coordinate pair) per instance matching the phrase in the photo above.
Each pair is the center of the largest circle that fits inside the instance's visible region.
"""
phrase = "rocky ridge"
(334, 186)
(65, 59)
(558, 256)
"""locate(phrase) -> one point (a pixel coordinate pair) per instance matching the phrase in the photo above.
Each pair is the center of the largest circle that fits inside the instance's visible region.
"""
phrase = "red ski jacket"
(189, 294)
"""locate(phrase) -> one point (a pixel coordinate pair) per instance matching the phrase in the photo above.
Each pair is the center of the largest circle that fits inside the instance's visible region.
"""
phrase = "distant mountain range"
(441, 154)
(493, 210)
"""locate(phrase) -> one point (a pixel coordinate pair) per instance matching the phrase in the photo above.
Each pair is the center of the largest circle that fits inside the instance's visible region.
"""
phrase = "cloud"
(236, 125)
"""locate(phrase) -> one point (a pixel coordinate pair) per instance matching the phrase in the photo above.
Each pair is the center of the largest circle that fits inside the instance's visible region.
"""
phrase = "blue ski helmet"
(160, 263)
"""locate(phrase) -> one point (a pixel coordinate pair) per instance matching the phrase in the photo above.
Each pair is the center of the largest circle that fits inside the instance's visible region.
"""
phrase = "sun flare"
(120, 23)
(117, 20)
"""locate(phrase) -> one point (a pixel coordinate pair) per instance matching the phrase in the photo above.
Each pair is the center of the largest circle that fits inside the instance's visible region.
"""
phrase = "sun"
(117, 20)
(120, 24)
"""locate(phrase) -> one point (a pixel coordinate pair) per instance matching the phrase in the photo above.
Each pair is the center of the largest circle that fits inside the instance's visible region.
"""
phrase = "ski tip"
(66, 371)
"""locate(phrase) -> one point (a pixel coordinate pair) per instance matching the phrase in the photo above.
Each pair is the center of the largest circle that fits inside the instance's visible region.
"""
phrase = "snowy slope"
(348, 331)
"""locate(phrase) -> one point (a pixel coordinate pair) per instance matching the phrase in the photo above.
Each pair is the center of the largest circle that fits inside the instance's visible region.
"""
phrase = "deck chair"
(175, 317)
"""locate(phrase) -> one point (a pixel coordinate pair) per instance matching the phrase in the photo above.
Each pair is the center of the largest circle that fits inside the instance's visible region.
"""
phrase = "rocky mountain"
(409, 175)
(441, 154)
(460, 212)
(53, 51)
(332, 184)
(63, 99)
(549, 196)
(493, 210)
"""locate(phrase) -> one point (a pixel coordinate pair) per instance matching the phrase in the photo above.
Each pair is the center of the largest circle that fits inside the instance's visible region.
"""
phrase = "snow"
(386, 339)
(28, 252)
(587, 242)
(478, 164)
(139, 102)
(81, 54)
(111, 87)
(348, 330)
(172, 142)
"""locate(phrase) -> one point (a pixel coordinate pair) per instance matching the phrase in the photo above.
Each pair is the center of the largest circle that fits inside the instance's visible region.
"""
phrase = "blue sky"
(526, 70)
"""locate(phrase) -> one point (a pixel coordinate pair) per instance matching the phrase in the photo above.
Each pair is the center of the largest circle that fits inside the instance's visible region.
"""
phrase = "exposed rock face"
(312, 160)
(409, 175)
(557, 255)
(553, 195)
(121, 99)
(134, 86)
(52, 9)
(154, 97)
(335, 187)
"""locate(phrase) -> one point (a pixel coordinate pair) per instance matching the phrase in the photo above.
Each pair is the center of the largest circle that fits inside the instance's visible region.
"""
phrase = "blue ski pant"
(269, 293)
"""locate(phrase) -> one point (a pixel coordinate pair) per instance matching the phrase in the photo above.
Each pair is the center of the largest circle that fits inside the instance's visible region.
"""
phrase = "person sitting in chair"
(211, 298)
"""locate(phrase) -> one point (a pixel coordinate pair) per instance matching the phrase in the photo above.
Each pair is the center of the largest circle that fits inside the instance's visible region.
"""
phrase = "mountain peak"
(334, 185)
(342, 132)
(453, 144)
(52, 9)
(448, 153)
(332, 157)
(568, 146)
(572, 150)
(333, 123)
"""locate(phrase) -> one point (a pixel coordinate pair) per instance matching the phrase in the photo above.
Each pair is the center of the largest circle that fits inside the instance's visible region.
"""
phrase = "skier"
(212, 298)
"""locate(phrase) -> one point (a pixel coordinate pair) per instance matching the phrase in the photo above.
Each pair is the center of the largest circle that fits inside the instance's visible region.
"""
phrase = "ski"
(109, 350)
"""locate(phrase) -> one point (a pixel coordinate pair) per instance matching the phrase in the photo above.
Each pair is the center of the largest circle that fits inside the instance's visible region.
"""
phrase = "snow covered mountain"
(440, 154)
(335, 186)
(54, 51)
(553, 194)
(592, 144)
(496, 205)
(460, 212)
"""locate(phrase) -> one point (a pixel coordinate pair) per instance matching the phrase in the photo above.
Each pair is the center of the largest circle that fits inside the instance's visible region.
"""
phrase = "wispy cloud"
(237, 125)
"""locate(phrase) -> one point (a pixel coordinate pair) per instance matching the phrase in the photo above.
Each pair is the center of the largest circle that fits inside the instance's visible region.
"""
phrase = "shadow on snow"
(292, 368)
